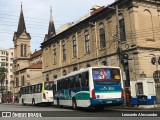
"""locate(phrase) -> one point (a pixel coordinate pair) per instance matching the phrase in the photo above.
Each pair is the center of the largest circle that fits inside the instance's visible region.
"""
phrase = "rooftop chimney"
(96, 9)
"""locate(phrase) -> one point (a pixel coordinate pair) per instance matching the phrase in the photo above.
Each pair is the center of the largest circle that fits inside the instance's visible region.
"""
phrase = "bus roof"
(84, 70)
(36, 83)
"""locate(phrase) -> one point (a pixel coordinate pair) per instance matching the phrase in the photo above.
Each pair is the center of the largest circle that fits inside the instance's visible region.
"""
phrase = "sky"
(37, 15)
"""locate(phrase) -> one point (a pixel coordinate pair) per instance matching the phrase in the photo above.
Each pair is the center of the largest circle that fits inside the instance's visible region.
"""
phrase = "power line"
(38, 19)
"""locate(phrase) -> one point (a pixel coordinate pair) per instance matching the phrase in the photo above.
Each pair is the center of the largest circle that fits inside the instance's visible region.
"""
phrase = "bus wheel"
(23, 102)
(33, 102)
(74, 104)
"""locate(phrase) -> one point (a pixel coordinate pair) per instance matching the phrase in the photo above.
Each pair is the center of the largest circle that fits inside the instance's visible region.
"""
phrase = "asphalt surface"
(52, 112)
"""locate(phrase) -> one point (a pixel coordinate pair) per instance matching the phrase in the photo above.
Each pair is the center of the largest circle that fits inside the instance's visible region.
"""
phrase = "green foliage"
(3, 72)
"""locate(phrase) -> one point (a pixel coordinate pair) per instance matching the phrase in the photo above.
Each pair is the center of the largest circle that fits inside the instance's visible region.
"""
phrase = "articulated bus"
(96, 87)
(37, 93)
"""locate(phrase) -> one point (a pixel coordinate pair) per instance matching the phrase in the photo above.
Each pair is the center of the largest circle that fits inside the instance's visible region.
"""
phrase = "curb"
(143, 107)
(10, 103)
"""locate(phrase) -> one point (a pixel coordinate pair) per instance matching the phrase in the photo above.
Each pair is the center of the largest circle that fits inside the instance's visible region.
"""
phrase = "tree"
(3, 75)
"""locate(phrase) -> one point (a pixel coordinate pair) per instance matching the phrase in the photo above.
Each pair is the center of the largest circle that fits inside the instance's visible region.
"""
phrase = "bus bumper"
(107, 102)
(48, 100)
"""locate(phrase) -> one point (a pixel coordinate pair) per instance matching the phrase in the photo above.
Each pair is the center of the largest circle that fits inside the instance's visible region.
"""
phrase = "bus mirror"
(124, 76)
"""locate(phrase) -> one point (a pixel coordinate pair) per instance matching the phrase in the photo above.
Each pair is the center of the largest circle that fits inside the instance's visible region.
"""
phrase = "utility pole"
(95, 29)
(119, 50)
(96, 39)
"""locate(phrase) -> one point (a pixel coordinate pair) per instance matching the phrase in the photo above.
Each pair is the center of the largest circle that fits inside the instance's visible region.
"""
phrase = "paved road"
(67, 113)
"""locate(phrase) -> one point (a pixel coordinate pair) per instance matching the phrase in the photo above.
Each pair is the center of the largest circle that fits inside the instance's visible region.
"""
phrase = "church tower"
(51, 28)
(22, 39)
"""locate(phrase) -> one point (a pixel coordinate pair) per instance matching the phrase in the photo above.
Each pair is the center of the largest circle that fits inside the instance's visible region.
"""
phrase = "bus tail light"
(122, 93)
(93, 94)
(44, 96)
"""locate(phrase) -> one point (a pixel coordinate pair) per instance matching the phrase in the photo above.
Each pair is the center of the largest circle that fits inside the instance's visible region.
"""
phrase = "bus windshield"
(48, 86)
(106, 76)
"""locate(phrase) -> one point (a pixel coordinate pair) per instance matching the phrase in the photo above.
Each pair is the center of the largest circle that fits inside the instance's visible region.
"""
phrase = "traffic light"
(153, 60)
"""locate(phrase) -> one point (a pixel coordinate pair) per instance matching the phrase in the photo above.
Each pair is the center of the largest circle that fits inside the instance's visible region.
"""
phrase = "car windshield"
(106, 76)
(48, 86)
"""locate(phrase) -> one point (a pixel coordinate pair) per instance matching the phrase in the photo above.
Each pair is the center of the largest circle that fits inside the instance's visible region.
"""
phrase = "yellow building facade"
(94, 41)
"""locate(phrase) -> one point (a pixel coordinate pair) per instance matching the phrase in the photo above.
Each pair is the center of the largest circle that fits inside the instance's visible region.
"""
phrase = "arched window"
(17, 82)
(55, 56)
(55, 76)
(102, 35)
(64, 72)
(104, 63)
(64, 49)
(74, 46)
(47, 77)
(88, 65)
(122, 28)
(148, 30)
(87, 41)
(22, 81)
(23, 50)
(74, 69)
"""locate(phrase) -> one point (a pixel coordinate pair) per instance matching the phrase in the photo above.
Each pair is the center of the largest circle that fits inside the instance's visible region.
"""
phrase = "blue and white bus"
(97, 87)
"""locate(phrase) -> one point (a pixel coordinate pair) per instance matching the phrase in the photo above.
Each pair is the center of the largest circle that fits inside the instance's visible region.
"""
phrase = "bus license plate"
(109, 101)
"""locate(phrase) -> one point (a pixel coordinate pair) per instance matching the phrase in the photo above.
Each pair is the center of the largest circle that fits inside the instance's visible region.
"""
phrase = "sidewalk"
(141, 107)
(11, 103)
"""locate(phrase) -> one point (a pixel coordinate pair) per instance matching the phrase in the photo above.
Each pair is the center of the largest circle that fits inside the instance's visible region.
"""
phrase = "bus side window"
(63, 84)
(36, 88)
(60, 83)
(40, 88)
(77, 81)
(33, 89)
(85, 79)
(71, 82)
(23, 90)
(29, 89)
(66, 83)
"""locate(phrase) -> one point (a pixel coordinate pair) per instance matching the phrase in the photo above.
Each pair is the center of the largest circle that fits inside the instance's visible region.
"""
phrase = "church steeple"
(21, 39)
(21, 24)
(51, 28)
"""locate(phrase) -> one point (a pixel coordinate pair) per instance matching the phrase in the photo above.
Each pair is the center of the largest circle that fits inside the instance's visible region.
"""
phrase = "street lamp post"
(95, 30)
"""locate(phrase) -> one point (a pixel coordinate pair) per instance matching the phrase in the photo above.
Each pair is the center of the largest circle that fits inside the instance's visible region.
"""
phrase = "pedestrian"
(128, 97)
(13, 99)
(7, 99)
